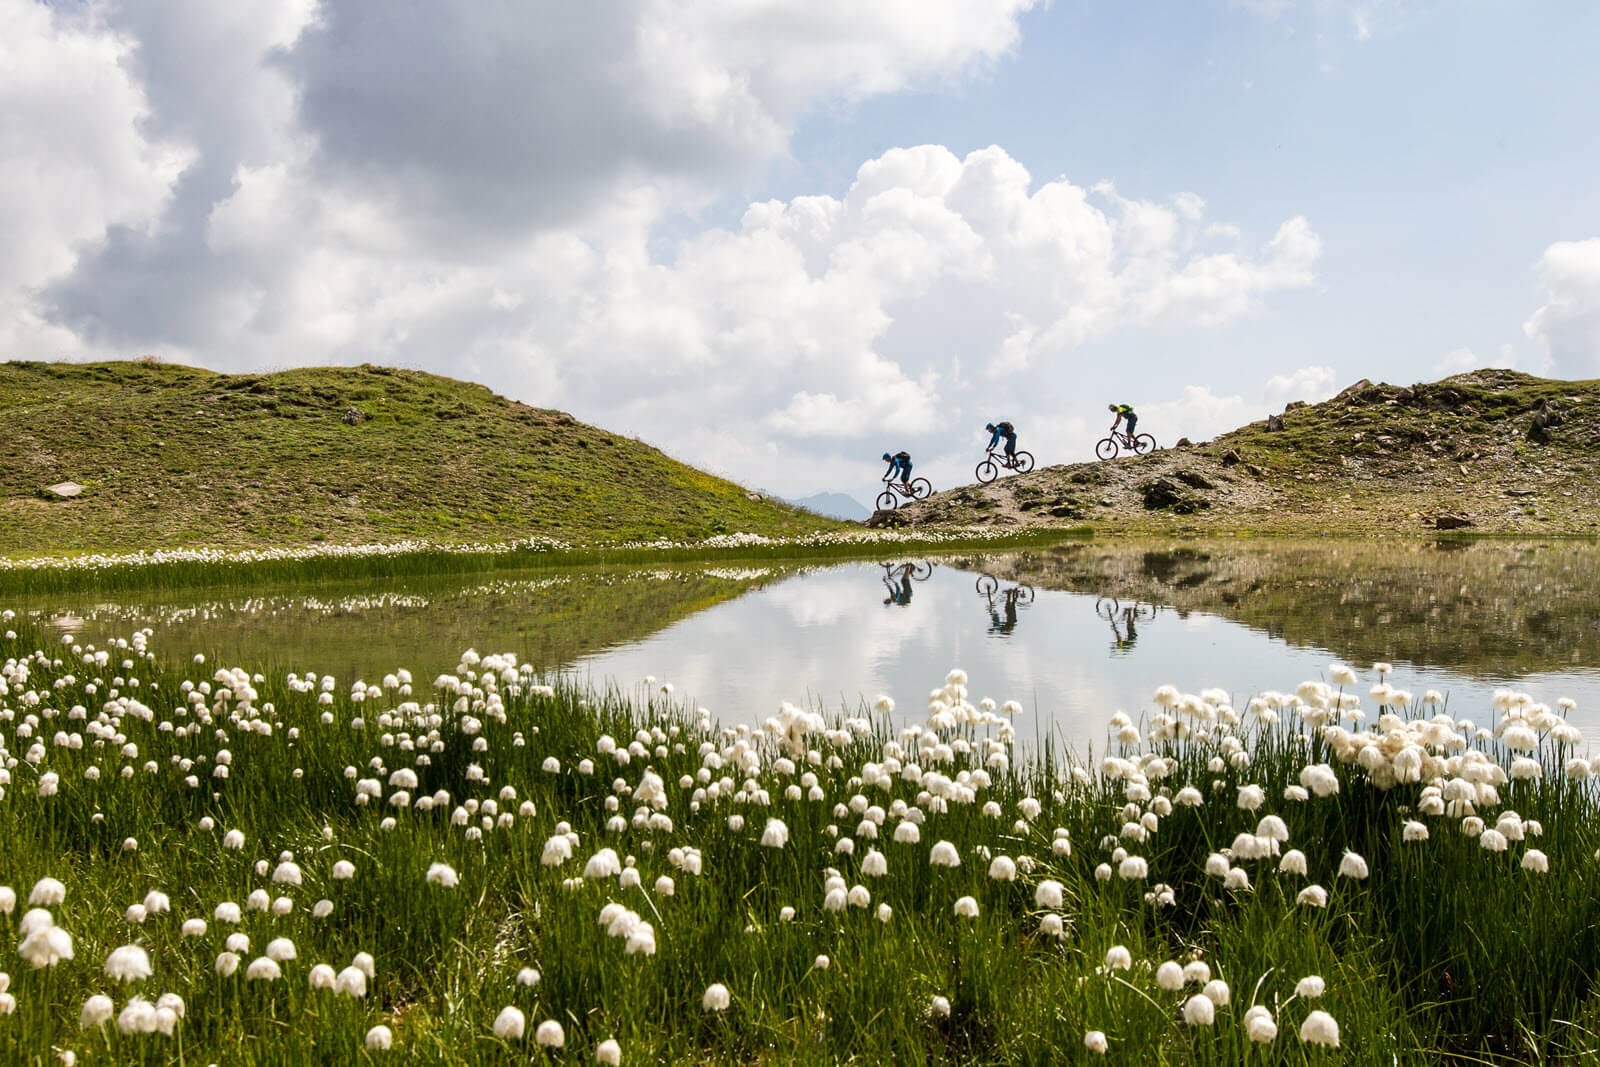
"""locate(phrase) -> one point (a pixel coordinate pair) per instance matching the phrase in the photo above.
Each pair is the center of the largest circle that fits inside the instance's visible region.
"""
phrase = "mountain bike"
(1107, 448)
(893, 491)
(989, 469)
(988, 585)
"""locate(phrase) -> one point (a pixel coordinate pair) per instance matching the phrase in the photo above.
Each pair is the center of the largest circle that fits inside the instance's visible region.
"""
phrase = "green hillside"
(174, 456)
(1491, 451)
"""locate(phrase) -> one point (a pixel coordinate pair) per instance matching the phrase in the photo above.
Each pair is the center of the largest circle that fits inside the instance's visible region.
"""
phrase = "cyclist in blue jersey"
(1005, 430)
(901, 462)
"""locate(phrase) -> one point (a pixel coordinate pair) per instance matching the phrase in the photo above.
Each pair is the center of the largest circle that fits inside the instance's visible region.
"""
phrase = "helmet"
(886, 457)
(989, 427)
(1111, 407)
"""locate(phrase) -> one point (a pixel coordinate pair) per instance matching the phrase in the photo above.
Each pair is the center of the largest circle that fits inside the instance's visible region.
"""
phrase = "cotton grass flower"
(96, 1011)
(442, 874)
(1535, 861)
(1095, 1041)
(1199, 1010)
(1169, 976)
(1259, 1026)
(379, 1039)
(1352, 866)
(350, 982)
(263, 969)
(776, 834)
(1313, 896)
(966, 908)
(716, 998)
(510, 1024)
(47, 893)
(130, 963)
(1310, 987)
(1048, 894)
(944, 854)
(1320, 1028)
(608, 1053)
(1118, 958)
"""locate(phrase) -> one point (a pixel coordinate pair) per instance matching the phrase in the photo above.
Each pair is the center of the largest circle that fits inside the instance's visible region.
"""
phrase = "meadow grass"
(126, 773)
(178, 569)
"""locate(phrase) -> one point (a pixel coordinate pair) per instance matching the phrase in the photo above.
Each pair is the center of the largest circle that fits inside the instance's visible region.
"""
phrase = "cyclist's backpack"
(903, 457)
(1006, 428)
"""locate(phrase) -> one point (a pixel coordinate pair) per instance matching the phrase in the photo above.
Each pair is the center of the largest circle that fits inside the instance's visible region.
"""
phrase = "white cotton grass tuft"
(716, 998)
(1095, 1041)
(510, 1024)
(1259, 1025)
(966, 908)
(1169, 976)
(1310, 987)
(130, 963)
(944, 854)
(1353, 866)
(379, 1039)
(1320, 1028)
(1199, 1010)
(1118, 958)
(442, 874)
(608, 1053)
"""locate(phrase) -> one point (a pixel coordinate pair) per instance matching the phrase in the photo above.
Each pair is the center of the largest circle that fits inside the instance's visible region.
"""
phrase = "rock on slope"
(1490, 450)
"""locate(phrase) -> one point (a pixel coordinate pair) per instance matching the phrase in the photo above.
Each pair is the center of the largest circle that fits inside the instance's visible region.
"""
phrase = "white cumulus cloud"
(1567, 327)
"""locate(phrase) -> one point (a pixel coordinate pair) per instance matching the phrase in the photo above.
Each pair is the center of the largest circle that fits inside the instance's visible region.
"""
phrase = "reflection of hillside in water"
(422, 624)
(1483, 607)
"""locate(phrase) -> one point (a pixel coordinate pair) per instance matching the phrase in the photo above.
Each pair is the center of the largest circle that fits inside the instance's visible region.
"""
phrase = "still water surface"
(1073, 633)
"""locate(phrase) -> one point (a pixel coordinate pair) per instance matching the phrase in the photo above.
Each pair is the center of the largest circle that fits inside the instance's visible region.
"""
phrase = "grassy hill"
(177, 456)
(1492, 450)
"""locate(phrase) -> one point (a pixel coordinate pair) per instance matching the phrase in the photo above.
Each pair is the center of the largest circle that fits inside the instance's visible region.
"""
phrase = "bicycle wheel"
(987, 584)
(1022, 463)
(1024, 594)
(920, 488)
(886, 501)
(1144, 443)
(1106, 449)
(1106, 607)
(922, 570)
(987, 471)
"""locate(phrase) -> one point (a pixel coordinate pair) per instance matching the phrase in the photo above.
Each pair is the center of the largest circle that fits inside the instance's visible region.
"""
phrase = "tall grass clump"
(202, 863)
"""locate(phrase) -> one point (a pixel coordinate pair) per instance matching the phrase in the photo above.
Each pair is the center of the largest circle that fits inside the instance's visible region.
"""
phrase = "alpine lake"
(1073, 632)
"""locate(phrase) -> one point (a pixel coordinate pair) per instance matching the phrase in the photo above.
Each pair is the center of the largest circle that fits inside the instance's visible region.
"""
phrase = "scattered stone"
(1274, 423)
(1194, 479)
(1353, 391)
(1255, 470)
(1451, 522)
(883, 519)
(353, 416)
(1184, 442)
(1522, 492)
(1293, 405)
(1231, 458)
(63, 490)
(751, 494)
(1164, 494)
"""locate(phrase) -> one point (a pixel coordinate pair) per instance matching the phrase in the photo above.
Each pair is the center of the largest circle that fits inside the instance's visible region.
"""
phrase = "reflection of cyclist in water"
(1124, 621)
(1003, 619)
(1009, 623)
(897, 579)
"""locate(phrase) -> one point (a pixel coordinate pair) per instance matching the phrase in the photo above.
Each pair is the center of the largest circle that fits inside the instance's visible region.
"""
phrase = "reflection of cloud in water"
(827, 638)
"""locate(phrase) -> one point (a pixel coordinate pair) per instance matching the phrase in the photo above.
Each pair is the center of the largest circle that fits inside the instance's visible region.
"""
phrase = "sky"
(777, 238)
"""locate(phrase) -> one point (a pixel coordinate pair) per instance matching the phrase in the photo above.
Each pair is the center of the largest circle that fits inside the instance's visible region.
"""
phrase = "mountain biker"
(1123, 411)
(1006, 430)
(900, 461)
